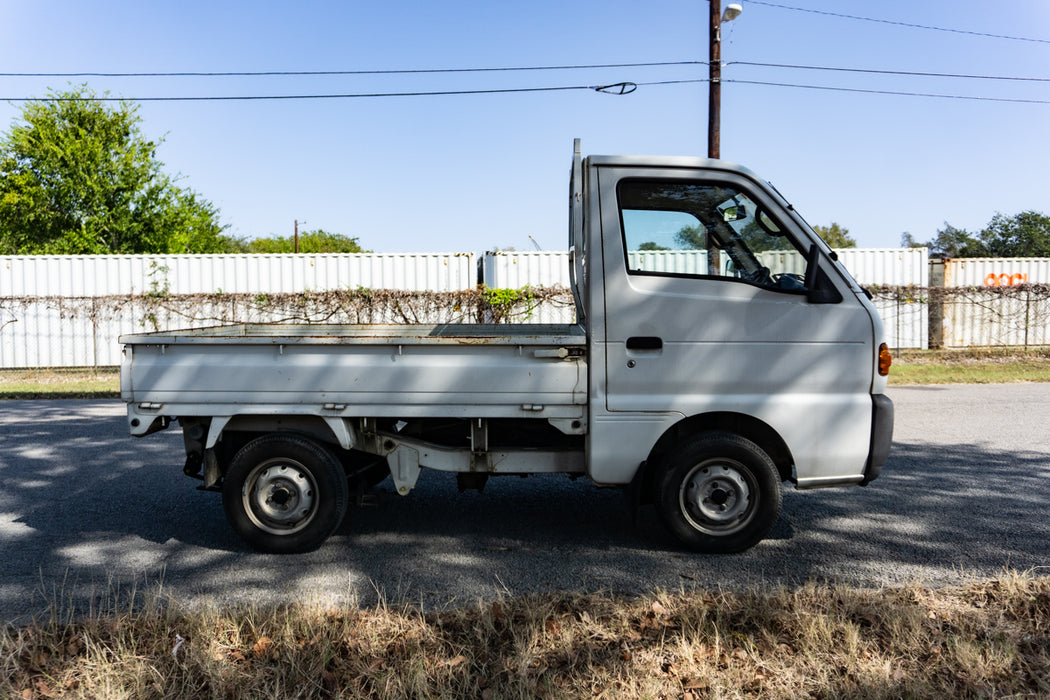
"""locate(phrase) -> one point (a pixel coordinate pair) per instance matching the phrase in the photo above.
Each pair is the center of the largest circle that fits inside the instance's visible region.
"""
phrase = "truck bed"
(462, 370)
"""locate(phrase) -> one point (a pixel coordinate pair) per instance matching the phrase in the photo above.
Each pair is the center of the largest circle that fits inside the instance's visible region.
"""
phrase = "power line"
(887, 72)
(412, 71)
(620, 88)
(418, 71)
(890, 92)
(897, 23)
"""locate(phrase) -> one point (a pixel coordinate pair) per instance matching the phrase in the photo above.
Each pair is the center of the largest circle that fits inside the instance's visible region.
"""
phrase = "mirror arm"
(815, 293)
(812, 260)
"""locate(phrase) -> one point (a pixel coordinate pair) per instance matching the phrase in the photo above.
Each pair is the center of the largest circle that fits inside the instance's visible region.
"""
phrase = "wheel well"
(740, 424)
(243, 429)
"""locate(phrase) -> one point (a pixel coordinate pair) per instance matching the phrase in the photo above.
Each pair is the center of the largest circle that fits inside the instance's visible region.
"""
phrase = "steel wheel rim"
(719, 496)
(280, 496)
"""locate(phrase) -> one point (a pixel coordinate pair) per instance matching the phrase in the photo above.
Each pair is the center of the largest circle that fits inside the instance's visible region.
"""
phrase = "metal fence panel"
(514, 270)
(100, 275)
(985, 309)
(1021, 319)
(44, 334)
(905, 323)
(986, 317)
(996, 272)
(905, 320)
(887, 266)
(49, 335)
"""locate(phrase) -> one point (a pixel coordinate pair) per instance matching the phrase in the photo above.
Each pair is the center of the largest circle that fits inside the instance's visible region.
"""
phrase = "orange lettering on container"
(1005, 280)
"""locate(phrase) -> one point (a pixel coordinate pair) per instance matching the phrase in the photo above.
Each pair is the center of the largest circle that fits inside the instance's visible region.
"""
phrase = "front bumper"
(881, 436)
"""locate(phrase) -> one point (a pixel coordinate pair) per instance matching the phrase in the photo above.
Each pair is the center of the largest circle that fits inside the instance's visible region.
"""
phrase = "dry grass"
(971, 366)
(60, 383)
(973, 355)
(987, 639)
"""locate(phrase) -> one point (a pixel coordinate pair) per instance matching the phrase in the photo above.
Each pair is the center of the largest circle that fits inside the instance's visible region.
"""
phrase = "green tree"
(908, 241)
(78, 176)
(1024, 235)
(836, 236)
(319, 241)
(754, 238)
(691, 238)
(951, 242)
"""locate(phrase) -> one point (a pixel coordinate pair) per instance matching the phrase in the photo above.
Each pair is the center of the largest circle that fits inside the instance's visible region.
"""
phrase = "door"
(708, 310)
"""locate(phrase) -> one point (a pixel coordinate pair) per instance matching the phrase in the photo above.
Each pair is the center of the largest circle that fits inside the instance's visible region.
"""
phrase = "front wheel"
(719, 493)
(285, 494)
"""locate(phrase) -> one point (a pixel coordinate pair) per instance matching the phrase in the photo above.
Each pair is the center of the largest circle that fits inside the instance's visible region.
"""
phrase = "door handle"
(644, 342)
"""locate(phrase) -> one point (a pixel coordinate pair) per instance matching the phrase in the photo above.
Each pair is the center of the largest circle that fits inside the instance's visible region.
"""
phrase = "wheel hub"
(281, 496)
(716, 495)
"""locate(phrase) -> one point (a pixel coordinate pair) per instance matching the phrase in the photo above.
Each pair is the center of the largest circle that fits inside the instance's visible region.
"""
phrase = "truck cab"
(720, 323)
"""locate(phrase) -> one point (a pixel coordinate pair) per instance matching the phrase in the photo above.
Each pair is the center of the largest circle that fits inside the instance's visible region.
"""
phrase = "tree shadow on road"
(82, 501)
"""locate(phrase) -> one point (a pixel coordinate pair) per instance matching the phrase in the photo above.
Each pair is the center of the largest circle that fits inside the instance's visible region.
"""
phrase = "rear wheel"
(719, 492)
(285, 493)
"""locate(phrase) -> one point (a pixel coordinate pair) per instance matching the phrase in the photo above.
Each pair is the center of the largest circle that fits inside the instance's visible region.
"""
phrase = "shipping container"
(987, 302)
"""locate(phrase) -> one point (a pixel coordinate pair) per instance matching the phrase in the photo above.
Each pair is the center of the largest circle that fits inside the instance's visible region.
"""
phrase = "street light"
(714, 89)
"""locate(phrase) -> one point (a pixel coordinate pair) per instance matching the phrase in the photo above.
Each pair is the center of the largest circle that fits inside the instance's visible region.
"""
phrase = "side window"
(705, 229)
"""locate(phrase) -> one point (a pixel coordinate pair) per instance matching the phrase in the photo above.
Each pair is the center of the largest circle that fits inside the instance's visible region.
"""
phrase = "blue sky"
(470, 173)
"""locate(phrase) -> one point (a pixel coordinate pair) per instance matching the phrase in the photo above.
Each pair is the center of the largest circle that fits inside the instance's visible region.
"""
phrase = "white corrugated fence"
(905, 320)
(100, 275)
(989, 303)
(67, 329)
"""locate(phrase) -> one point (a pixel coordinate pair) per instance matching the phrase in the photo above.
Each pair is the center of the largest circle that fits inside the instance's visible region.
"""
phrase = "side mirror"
(819, 289)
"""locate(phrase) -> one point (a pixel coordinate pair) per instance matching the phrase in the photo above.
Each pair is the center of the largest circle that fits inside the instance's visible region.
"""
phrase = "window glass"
(706, 229)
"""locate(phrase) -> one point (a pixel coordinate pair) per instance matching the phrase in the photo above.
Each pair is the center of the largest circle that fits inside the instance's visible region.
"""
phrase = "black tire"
(285, 493)
(719, 493)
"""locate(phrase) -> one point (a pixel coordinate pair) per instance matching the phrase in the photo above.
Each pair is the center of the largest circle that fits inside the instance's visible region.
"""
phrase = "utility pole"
(297, 236)
(714, 85)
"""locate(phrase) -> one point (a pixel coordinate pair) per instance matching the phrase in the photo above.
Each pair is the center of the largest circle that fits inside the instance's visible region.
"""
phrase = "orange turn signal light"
(885, 360)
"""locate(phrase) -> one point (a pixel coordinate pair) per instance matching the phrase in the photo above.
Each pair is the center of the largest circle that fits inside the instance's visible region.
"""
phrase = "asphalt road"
(86, 510)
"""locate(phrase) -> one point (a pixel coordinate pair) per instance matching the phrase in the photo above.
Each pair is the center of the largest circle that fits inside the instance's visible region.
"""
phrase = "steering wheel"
(789, 280)
(760, 276)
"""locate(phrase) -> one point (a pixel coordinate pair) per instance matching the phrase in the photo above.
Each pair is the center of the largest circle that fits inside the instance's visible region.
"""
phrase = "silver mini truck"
(720, 350)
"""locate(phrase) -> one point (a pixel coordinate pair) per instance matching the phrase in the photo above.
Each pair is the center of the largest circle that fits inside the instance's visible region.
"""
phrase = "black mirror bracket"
(819, 289)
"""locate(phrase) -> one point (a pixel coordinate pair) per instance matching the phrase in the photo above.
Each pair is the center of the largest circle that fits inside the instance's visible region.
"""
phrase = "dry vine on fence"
(972, 316)
(157, 310)
(953, 316)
